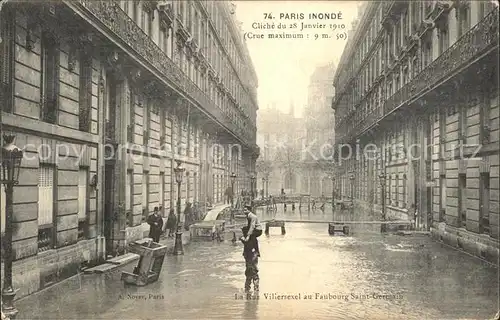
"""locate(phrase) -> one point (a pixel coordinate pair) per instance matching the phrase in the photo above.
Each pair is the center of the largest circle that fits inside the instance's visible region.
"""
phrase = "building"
(419, 82)
(320, 134)
(106, 96)
(280, 137)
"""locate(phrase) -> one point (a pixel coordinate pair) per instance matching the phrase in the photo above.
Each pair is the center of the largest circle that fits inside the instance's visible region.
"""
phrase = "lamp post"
(179, 173)
(9, 176)
(233, 179)
(382, 186)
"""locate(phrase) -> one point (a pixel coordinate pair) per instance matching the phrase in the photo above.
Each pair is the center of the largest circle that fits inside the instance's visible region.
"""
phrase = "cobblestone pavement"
(366, 275)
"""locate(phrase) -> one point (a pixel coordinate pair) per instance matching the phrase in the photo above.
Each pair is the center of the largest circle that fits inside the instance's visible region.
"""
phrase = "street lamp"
(9, 176)
(179, 173)
(233, 179)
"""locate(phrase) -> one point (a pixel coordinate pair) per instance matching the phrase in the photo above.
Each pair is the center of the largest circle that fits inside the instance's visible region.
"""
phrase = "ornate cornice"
(117, 26)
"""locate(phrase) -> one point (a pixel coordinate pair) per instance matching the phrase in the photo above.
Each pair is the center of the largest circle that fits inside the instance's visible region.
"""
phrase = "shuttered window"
(45, 195)
(82, 202)
(82, 193)
(145, 195)
(50, 79)
(45, 207)
(162, 191)
(2, 207)
(129, 197)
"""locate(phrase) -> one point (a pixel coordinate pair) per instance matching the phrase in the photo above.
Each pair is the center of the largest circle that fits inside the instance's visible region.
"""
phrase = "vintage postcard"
(202, 159)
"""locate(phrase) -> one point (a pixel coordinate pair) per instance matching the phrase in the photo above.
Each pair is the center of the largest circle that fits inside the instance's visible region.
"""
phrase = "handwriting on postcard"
(308, 26)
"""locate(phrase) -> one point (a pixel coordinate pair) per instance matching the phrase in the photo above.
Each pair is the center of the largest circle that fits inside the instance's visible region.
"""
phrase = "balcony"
(117, 25)
(469, 47)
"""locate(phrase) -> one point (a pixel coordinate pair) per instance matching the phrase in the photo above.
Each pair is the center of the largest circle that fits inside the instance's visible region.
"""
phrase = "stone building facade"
(280, 136)
(320, 134)
(419, 82)
(105, 97)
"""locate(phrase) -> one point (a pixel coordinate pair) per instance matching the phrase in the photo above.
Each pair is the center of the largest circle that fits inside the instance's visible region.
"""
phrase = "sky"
(284, 66)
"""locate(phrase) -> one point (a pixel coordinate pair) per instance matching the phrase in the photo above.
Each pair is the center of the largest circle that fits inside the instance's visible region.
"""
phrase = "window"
(110, 110)
(195, 142)
(125, 6)
(485, 7)
(49, 79)
(462, 200)
(82, 202)
(443, 38)
(46, 201)
(135, 12)
(2, 208)
(162, 193)
(129, 197)
(163, 134)
(189, 132)
(195, 179)
(146, 121)
(427, 52)
(85, 92)
(389, 190)
(405, 200)
(485, 117)
(463, 20)
(6, 62)
(442, 200)
(131, 125)
(188, 187)
(145, 195)
(179, 136)
(484, 202)
(397, 194)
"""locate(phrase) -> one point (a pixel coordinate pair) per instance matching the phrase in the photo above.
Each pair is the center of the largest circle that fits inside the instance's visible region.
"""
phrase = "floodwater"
(305, 274)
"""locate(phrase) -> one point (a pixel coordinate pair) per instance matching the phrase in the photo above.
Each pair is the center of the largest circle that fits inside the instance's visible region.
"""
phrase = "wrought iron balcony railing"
(478, 40)
(122, 26)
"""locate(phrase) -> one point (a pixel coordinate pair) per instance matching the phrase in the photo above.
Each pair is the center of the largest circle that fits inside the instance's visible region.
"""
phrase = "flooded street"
(305, 274)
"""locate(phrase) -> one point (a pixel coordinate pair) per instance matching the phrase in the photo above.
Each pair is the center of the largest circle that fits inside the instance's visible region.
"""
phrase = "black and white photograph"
(252, 159)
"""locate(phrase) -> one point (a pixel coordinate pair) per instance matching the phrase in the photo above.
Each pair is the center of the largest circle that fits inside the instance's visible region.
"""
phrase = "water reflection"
(251, 307)
(435, 282)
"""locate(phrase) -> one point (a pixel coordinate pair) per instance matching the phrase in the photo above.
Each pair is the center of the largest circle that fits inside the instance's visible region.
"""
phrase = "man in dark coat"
(188, 216)
(171, 223)
(155, 225)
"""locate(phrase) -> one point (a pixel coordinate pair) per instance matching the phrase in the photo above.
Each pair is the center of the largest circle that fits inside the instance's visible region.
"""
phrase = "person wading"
(254, 227)
(156, 223)
(251, 261)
